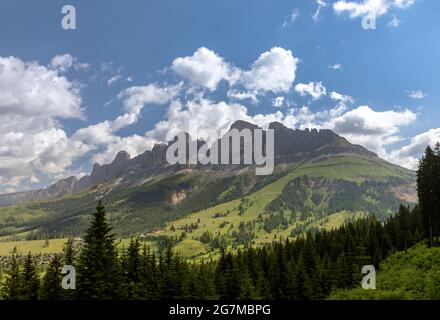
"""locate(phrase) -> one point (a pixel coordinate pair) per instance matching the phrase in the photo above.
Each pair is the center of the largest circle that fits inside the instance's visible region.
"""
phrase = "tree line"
(310, 267)
(428, 190)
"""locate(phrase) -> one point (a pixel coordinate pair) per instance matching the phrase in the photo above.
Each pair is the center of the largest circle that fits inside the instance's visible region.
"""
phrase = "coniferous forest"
(312, 266)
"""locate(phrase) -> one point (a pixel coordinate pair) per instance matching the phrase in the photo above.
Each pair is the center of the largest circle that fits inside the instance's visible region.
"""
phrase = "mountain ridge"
(151, 163)
(144, 193)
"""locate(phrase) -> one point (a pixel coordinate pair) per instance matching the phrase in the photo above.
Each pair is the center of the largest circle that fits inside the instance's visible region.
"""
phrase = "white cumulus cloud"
(274, 71)
(64, 62)
(372, 129)
(33, 98)
(204, 68)
(135, 98)
(243, 95)
(278, 101)
(409, 155)
(341, 97)
(315, 89)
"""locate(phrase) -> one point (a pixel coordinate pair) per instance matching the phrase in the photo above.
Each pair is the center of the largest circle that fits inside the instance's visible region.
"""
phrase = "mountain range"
(319, 176)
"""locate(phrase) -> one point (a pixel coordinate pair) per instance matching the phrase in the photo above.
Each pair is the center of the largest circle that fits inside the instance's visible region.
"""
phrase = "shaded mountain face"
(296, 145)
(291, 146)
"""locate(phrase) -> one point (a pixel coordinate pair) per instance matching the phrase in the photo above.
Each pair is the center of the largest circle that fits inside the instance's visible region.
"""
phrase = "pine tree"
(12, 287)
(31, 280)
(426, 176)
(69, 253)
(342, 272)
(205, 282)
(149, 275)
(247, 289)
(98, 269)
(173, 272)
(227, 278)
(132, 270)
(324, 276)
(69, 260)
(436, 185)
(303, 289)
(51, 285)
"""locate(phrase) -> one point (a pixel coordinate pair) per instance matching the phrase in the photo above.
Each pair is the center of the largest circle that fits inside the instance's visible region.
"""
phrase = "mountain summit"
(291, 146)
(317, 173)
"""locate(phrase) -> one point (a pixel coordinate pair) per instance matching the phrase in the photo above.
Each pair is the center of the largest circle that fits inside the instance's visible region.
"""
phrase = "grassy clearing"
(190, 248)
(55, 246)
(350, 168)
(34, 246)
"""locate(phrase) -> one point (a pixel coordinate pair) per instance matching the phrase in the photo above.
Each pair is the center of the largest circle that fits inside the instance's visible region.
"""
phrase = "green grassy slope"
(230, 210)
(131, 210)
(7, 248)
(414, 275)
(246, 220)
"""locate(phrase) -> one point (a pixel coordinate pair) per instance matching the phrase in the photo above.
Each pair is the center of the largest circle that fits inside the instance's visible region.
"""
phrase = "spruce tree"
(426, 181)
(149, 273)
(303, 289)
(132, 270)
(227, 278)
(98, 271)
(51, 285)
(12, 287)
(69, 257)
(31, 280)
(173, 272)
(205, 281)
(69, 253)
(436, 186)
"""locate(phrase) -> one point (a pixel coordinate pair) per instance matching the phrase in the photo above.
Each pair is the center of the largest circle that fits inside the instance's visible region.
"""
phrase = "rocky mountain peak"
(121, 157)
(291, 145)
(62, 186)
(240, 125)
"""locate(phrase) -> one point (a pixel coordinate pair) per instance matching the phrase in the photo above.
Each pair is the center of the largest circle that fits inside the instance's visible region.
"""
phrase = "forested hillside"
(309, 268)
(315, 266)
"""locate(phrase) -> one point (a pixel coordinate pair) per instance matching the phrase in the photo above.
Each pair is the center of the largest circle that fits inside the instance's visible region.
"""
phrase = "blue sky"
(134, 70)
